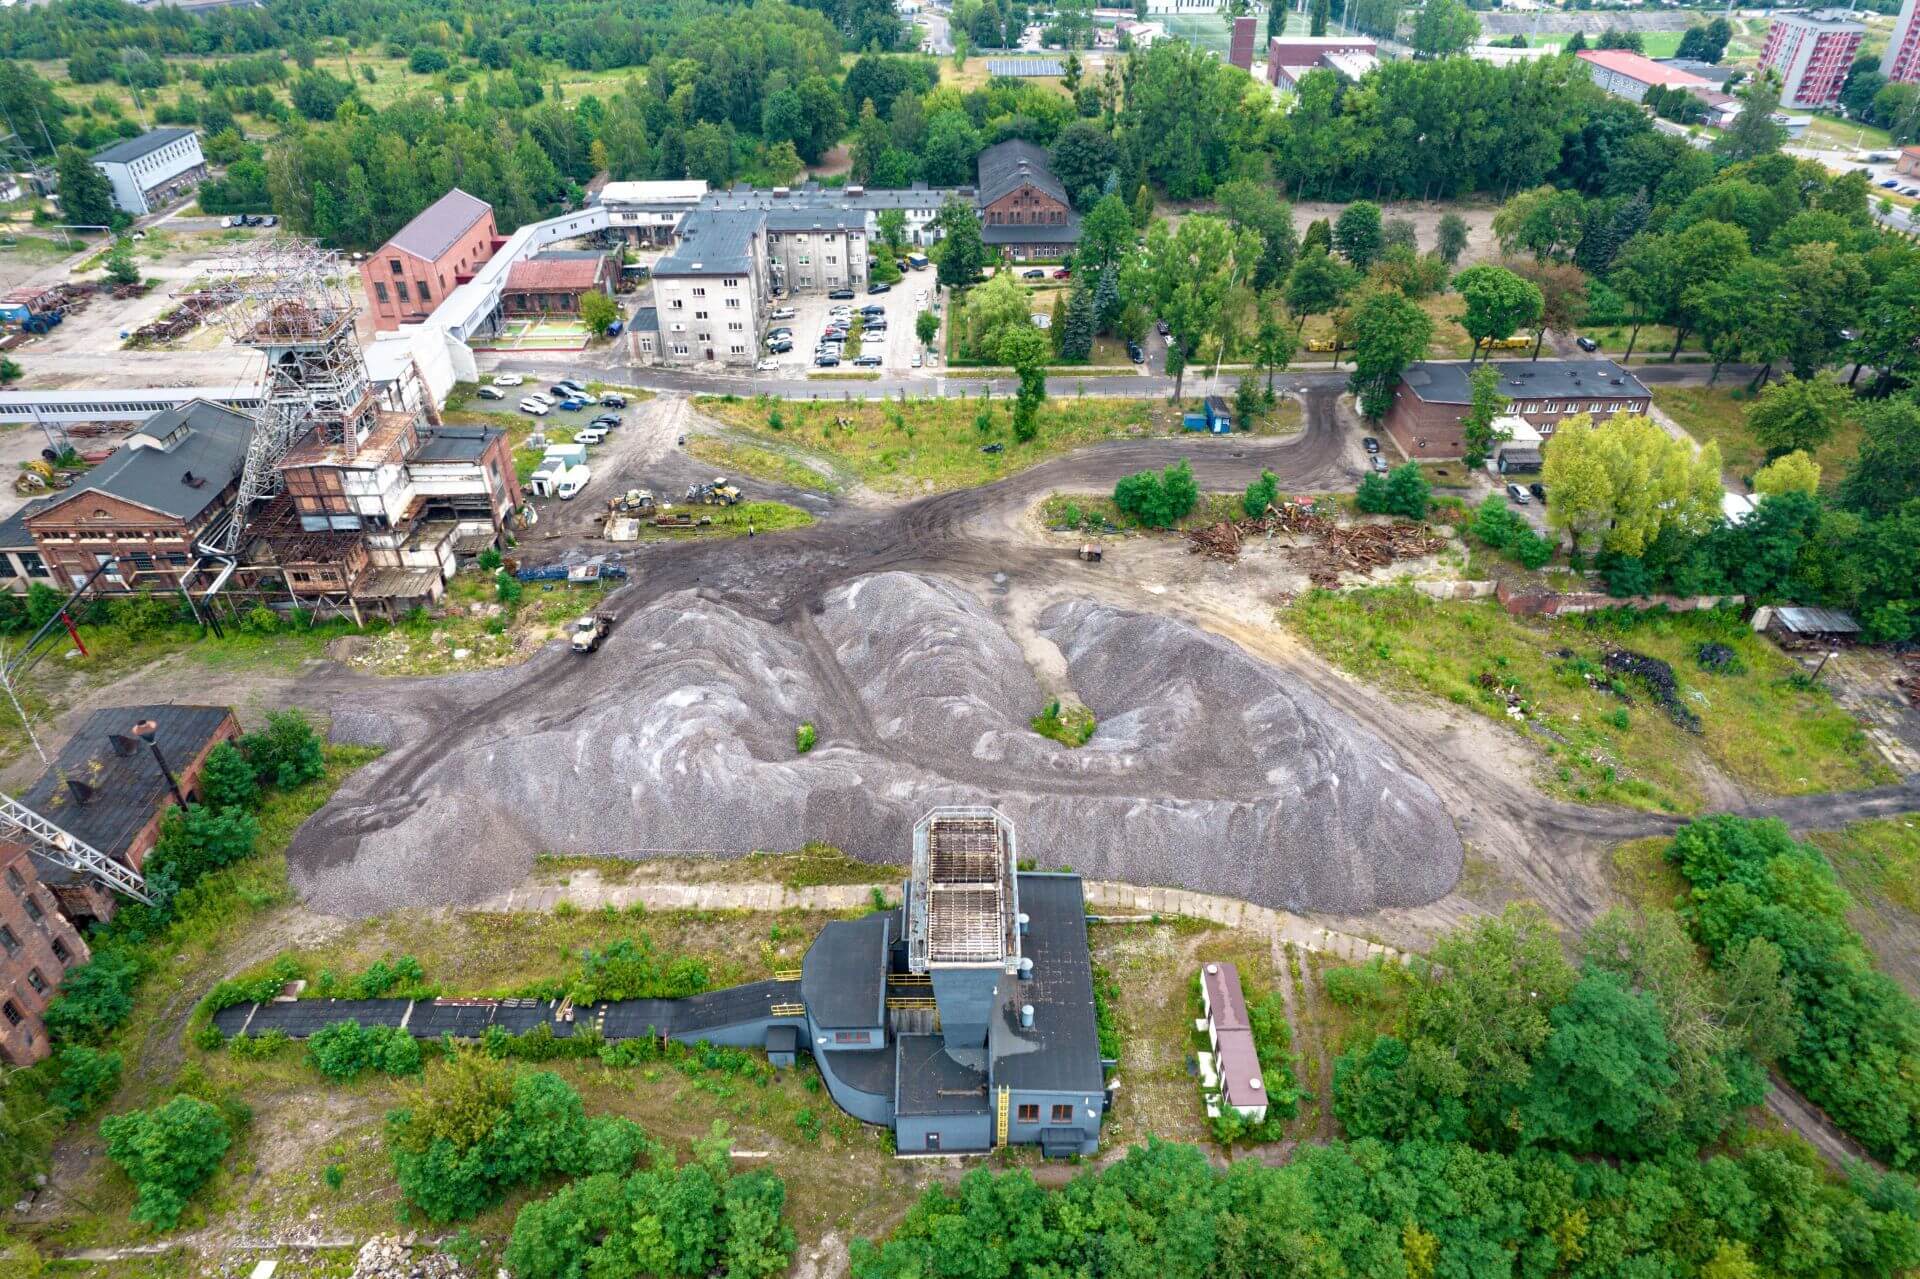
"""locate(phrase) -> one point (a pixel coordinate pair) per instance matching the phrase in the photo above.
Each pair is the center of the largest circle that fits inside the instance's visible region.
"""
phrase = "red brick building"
(1432, 398)
(37, 946)
(1024, 209)
(428, 258)
(108, 789)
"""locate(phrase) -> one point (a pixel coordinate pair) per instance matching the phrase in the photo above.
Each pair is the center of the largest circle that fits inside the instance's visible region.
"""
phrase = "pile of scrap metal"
(192, 312)
(573, 573)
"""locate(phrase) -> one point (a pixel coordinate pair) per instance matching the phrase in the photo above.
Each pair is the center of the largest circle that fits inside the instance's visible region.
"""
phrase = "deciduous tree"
(1387, 332)
(1797, 414)
(1499, 303)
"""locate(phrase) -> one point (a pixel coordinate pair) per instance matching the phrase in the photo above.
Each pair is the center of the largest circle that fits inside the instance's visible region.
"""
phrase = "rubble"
(193, 311)
(390, 1257)
(1337, 549)
(1658, 679)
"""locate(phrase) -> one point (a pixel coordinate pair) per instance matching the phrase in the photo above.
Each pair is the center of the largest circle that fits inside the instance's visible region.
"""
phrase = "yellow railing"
(787, 974)
(789, 1010)
(907, 1003)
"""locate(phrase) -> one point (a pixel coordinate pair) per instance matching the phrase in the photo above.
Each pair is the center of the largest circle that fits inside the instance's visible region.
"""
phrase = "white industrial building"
(152, 170)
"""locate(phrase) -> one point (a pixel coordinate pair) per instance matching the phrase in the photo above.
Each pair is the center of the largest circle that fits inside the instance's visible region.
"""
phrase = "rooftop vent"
(1026, 1016)
(82, 792)
(122, 744)
(1255, 1083)
(1212, 969)
(146, 730)
(193, 481)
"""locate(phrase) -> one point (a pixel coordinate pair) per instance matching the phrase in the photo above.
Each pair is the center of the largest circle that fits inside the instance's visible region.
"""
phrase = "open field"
(929, 446)
(1760, 729)
(1718, 413)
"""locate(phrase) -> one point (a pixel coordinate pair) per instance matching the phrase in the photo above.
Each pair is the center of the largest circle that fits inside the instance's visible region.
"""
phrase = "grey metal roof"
(131, 149)
(1693, 66)
(1060, 1052)
(1816, 621)
(844, 975)
(455, 444)
(13, 530)
(646, 319)
(1016, 162)
(1026, 66)
(1067, 232)
(127, 789)
(932, 1083)
(435, 228)
(1447, 383)
(208, 442)
(806, 219)
(712, 242)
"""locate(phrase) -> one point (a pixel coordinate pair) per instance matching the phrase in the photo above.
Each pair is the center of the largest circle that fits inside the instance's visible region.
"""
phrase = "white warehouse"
(152, 170)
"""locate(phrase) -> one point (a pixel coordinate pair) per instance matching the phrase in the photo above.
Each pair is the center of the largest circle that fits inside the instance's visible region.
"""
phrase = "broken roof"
(1816, 621)
(178, 464)
(435, 228)
(127, 790)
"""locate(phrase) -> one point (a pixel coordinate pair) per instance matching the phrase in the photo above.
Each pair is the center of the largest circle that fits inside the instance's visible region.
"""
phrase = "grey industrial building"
(962, 1019)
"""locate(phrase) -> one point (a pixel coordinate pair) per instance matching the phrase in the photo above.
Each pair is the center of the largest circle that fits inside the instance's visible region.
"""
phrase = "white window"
(1550, 407)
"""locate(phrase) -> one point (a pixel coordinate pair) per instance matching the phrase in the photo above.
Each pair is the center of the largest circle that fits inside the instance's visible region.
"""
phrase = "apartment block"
(1812, 53)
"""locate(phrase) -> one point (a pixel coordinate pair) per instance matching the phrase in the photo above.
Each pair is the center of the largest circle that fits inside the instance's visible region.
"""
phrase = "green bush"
(1260, 495)
(261, 620)
(88, 1078)
(401, 979)
(1158, 499)
(1495, 525)
(228, 779)
(629, 969)
(253, 990)
(95, 998)
(269, 1043)
(803, 738)
(167, 1153)
(346, 1050)
(489, 559)
(287, 752)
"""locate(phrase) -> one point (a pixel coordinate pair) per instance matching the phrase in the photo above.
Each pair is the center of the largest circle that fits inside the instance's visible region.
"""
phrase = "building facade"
(153, 170)
(1625, 74)
(1235, 1061)
(428, 258)
(37, 946)
(1291, 57)
(824, 249)
(1901, 61)
(712, 289)
(554, 282)
(1812, 52)
(1432, 398)
(1024, 208)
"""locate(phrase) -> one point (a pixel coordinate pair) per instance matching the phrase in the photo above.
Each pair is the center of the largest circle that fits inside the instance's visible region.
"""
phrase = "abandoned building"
(963, 1019)
(38, 944)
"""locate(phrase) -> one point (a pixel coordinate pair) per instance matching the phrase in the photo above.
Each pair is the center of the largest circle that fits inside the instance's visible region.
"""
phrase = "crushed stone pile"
(388, 1257)
(1209, 770)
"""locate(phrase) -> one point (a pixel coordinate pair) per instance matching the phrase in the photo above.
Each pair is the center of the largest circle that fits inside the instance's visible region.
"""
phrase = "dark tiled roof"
(713, 242)
(13, 530)
(127, 789)
(1067, 232)
(845, 972)
(435, 228)
(1008, 165)
(455, 444)
(646, 319)
(804, 219)
(131, 149)
(208, 441)
(932, 1083)
(1060, 1052)
(1448, 384)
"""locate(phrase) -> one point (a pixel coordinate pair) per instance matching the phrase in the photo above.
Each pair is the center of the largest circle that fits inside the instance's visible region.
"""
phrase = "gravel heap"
(386, 1257)
(1210, 770)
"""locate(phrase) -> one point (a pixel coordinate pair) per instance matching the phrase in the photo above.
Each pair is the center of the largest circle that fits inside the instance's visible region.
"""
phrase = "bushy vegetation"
(167, 1153)
(1403, 491)
(631, 969)
(1855, 1046)
(1495, 525)
(88, 1078)
(400, 979)
(1158, 499)
(698, 1218)
(480, 1128)
(345, 1050)
(1070, 726)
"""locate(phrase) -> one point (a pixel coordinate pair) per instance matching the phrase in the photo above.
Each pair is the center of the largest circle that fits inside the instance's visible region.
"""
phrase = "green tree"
(1253, 206)
(1186, 277)
(598, 311)
(1443, 28)
(1274, 344)
(926, 325)
(1628, 481)
(1563, 296)
(167, 1153)
(1886, 473)
(1318, 285)
(1452, 237)
(1260, 495)
(1387, 332)
(992, 309)
(287, 752)
(1158, 499)
(96, 998)
(1603, 1070)
(1753, 133)
(227, 779)
(1546, 222)
(1889, 337)
(1476, 426)
(1797, 415)
(960, 250)
(1076, 335)
(893, 231)
(88, 1080)
(121, 268)
(1317, 17)
(1023, 349)
(318, 95)
(1407, 492)
(86, 197)
(1826, 287)
(1358, 235)
(1106, 235)
(1498, 303)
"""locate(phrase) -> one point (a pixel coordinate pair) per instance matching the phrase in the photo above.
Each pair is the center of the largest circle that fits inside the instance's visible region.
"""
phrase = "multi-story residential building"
(711, 290)
(37, 946)
(428, 258)
(817, 249)
(147, 505)
(152, 170)
(649, 212)
(1901, 61)
(1812, 52)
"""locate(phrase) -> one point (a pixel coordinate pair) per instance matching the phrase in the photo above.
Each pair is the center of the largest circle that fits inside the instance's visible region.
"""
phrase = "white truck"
(590, 632)
(568, 485)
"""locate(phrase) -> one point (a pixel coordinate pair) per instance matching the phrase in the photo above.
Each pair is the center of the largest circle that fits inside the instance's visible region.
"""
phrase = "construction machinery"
(1091, 552)
(718, 493)
(591, 631)
(630, 502)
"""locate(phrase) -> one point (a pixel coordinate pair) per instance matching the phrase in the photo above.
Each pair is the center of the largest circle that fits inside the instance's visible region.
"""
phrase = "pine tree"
(1057, 329)
(1076, 341)
(1317, 20)
(1106, 300)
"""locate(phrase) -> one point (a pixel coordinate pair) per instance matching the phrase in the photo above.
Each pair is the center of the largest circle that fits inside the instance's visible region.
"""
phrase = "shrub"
(1408, 494)
(803, 738)
(167, 1153)
(1260, 495)
(489, 559)
(629, 969)
(258, 1047)
(95, 998)
(227, 780)
(1158, 500)
(1496, 526)
(1371, 497)
(286, 753)
(88, 1078)
(253, 990)
(346, 1050)
(261, 620)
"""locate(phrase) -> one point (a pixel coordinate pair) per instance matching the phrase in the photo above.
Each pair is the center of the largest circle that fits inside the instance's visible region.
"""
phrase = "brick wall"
(37, 946)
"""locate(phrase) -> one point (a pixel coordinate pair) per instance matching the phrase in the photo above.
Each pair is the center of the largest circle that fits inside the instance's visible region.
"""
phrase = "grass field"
(774, 462)
(1450, 341)
(1758, 725)
(1656, 44)
(929, 446)
(1718, 413)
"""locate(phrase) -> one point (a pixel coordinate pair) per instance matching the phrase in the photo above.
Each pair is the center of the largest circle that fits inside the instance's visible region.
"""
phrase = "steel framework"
(56, 845)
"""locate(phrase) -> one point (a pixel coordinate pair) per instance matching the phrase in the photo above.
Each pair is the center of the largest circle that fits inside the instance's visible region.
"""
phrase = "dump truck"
(718, 493)
(590, 632)
(1091, 552)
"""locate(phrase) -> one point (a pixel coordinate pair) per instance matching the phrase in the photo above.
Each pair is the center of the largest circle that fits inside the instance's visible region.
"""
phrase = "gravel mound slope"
(1210, 769)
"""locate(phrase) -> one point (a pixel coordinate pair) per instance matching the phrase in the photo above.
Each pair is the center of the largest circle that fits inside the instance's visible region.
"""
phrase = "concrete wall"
(1552, 603)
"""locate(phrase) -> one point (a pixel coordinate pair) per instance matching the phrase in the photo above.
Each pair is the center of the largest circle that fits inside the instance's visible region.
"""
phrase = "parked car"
(874, 308)
(900, 263)
(507, 379)
(775, 334)
(768, 366)
(1538, 489)
(783, 313)
(1063, 273)
(840, 295)
(1379, 464)
(826, 361)
(1586, 344)
(1370, 444)
(1891, 184)
(877, 287)
(876, 329)
(614, 400)
(590, 435)
(916, 359)
(540, 397)
(573, 404)
(608, 420)
(1162, 327)
(779, 348)
(867, 362)
(539, 408)
(491, 393)
(269, 220)
(1135, 354)
(1033, 273)
(1517, 495)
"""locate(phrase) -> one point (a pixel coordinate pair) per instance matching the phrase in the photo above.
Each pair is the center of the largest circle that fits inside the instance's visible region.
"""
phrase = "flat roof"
(1822, 20)
(932, 1083)
(455, 444)
(1447, 382)
(1060, 1052)
(131, 149)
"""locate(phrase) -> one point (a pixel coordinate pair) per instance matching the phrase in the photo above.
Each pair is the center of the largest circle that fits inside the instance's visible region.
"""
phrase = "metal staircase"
(1001, 1107)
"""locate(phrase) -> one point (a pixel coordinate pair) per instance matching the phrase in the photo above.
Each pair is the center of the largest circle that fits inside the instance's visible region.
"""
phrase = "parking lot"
(896, 348)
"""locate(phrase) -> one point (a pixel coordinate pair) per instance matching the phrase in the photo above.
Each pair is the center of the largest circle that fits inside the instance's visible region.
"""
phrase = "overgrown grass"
(1640, 872)
(730, 521)
(1071, 726)
(776, 464)
(1094, 512)
(1759, 726)
(1881, 857)
(1719, 413)
(922, 446)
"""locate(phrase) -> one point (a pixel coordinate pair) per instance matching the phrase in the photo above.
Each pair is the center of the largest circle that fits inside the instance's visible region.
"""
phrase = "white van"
(572, 482)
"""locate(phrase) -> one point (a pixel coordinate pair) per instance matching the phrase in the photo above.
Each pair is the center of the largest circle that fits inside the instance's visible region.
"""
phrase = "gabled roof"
(556, 273)
(713, 242)
(178, 464)
(435, 228)
(1009, 165)
(131, 149)
(1635, 67)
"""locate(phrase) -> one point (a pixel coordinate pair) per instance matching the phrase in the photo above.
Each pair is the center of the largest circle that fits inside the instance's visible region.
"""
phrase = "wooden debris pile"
(1338, 548)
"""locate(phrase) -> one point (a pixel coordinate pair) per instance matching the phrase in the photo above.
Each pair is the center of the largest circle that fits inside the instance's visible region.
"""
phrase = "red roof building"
(428, 258)
(1626, 74)
(1231, 1034)
(553, 283)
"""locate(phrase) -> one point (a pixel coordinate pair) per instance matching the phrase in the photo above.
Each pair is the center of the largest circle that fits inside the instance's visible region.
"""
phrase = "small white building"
(1231, 1034)
(152, 170)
